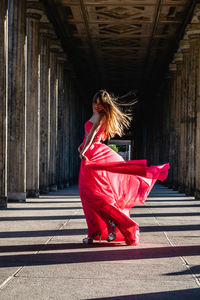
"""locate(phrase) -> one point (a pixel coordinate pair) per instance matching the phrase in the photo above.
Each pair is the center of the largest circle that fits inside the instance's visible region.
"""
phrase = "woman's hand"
(82, 156)
(80, 148)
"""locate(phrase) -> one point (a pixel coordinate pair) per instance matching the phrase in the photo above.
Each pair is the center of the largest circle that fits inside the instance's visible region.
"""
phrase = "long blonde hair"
(116, 120)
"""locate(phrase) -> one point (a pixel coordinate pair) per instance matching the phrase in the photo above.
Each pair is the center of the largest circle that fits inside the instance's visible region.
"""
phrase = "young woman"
(109, 186)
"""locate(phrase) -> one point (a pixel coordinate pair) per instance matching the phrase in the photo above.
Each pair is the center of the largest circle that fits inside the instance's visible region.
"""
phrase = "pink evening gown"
(109, 187)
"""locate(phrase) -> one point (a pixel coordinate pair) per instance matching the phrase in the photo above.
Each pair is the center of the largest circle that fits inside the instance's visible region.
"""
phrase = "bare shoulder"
(99, 118)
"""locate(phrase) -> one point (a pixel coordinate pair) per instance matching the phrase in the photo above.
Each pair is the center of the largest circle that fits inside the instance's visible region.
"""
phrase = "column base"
(44, 190)
(189, 192)
(175, 187)
(66, 185)
(18, 197)
(3, 202)
(33, 193)
(61, 186)
(71, 182)
(169, 185)
(197, 194)
(181, 189)
(53, 188)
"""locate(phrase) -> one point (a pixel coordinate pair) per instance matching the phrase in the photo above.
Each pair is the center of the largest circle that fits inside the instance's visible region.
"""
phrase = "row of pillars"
(40, 107)
(177, 137)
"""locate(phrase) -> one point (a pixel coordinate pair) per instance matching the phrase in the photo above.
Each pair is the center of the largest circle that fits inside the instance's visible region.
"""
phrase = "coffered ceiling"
(120, 43)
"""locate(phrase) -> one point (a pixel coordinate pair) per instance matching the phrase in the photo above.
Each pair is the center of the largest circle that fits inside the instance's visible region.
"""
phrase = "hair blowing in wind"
(116, 120)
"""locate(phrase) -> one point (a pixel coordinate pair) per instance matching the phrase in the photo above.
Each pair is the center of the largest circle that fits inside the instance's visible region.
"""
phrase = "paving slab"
(42, 255)
(92, 288)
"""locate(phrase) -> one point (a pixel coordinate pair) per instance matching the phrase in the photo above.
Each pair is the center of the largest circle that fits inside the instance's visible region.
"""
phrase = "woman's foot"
(89, 239)
(112, 235)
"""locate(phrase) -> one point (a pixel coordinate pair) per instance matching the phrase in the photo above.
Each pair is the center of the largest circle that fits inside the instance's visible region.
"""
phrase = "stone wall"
(3, 104)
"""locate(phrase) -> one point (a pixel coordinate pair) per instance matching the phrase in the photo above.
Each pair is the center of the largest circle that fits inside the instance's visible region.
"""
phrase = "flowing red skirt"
(109, 187)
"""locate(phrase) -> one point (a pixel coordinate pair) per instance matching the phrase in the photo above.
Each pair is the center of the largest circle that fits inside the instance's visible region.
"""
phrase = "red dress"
(109, 187)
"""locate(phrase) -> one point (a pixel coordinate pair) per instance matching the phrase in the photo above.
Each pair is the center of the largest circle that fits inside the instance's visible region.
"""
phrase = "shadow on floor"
(63, 217)
(45, 208)
(94, 256)
(51, 202)
(82, 231)
(192, 269)
(18, 208)
(193, 294)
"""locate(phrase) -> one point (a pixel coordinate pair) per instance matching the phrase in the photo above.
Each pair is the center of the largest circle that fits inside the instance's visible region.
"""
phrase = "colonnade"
(40, 109)
(174, 135)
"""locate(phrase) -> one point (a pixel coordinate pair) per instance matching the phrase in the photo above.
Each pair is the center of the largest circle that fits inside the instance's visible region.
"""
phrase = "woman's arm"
(96, 125)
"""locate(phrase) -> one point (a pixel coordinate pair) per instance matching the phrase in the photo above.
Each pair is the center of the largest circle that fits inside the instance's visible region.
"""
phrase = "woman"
(109, 186)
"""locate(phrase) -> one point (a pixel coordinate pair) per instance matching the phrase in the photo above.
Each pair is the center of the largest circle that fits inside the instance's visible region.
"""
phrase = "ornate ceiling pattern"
(123, 41)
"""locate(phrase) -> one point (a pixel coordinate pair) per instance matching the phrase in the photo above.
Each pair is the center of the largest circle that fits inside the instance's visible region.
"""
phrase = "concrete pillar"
(34, 13)
(44, 105)
(16, 102)
(3, 105)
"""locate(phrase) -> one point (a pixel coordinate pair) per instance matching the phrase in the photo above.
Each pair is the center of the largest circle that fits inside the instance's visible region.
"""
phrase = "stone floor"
(42, 256)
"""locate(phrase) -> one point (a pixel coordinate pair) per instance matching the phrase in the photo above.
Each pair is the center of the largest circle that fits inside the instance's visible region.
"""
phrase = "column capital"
(196, 15)
(62, 58)
(184, 46)
(172, 67)
(44, 26)
(178, 58)
(34, 9)
(55, 46)
(51, 31)
(193, 31)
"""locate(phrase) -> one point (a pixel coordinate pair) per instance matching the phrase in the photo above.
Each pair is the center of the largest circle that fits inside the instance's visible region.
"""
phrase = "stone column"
(44, 104)
(34, 13)
(184, 155)
(166, 111)
(178, 60)
(193, 31)
(163, 142)
(75, 129)
(53, 89)
(3, 106)
(16, 101)
(66, 125)
(72, 131)
(167, 123)
(197, 133)
(172, 152)
(61, 122)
